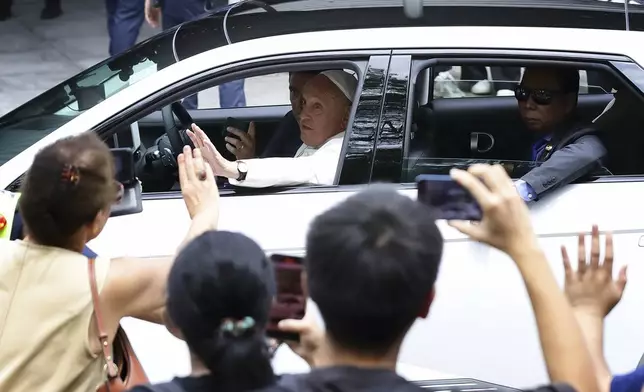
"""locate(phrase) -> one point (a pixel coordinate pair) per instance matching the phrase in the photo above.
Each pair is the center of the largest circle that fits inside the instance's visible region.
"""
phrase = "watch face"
(241, 166)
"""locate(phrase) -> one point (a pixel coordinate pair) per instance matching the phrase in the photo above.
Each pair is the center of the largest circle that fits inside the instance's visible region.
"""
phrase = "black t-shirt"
(346, 378)
(182, 384)
(206, 383)
(353, 379)
(286, 139)
(343, 379)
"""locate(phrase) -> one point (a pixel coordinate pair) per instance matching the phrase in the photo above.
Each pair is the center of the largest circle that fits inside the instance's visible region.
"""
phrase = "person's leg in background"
(178, 11)
(474, 79)
(172, 15)
(52, 10)
(124, 20)
(5, 9)
(505, 79)
(232, 95)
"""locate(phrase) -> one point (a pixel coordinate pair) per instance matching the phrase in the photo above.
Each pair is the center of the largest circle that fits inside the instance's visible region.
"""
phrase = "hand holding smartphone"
(232, 122)
(447, 198)
(290, 298)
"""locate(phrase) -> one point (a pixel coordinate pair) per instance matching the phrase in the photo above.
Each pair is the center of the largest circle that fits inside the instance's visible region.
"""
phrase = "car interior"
(470, 128)
(163, 132)
(154, 137)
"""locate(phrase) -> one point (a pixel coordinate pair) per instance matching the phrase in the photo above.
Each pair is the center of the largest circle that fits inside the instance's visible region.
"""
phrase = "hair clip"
(237, 327)
(70, 174)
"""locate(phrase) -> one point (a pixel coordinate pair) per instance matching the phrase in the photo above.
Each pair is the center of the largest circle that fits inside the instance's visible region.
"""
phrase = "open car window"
(464, 114)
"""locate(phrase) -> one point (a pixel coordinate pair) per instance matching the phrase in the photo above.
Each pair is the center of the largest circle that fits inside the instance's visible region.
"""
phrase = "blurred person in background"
(52, 9)
(124, 20)
(370, 268)
(170, 13)
(220, 291)
(49, 336)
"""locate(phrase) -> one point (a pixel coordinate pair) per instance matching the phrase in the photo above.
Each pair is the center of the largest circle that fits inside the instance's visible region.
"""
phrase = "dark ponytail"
(219, 294)
(239, 362)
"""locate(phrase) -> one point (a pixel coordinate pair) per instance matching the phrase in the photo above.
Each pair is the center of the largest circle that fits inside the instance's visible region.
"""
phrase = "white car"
(481, 325)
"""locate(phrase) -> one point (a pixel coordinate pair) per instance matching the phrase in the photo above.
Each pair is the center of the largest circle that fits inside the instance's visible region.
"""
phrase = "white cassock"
(316, 166)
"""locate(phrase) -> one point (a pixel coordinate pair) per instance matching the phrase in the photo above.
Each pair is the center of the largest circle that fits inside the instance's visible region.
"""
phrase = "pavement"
(36, 54)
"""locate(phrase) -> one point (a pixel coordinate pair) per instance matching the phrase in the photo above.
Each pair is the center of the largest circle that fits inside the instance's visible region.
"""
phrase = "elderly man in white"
(326, 106)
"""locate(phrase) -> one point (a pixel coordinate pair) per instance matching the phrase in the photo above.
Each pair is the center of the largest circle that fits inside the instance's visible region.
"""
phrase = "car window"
(445, 132)
(265, 90)
(277, 133)
(480, 81)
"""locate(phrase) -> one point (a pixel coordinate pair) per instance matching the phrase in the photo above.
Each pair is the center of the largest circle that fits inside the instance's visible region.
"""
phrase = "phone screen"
(290, 300)
(447, 198)
(123, 165)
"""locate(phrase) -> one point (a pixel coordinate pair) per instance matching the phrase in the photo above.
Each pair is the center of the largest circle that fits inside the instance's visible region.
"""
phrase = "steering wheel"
(177, 131)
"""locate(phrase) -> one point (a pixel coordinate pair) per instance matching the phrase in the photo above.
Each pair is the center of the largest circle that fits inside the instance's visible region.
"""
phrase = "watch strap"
(241, 175)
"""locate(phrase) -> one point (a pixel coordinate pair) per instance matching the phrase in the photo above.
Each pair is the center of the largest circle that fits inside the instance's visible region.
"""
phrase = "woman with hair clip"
(49, 336)
(220, 291)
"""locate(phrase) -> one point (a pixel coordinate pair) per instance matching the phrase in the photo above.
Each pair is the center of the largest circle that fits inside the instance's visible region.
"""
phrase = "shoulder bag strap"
(102, 335)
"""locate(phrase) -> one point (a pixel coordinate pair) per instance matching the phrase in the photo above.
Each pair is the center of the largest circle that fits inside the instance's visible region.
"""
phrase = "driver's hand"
(220, 165)
(244, 147)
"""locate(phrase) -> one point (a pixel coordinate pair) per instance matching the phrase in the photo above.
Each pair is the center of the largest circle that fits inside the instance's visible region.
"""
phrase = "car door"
(481, 309)
(278, 221)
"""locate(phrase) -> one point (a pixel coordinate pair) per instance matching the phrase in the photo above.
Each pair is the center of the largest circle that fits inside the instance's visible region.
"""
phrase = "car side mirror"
(131, 202)
(130, 199)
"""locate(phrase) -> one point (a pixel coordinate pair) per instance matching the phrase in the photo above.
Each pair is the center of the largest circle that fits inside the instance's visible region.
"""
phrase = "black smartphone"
(290, 299)
(124, 165)
(237, 124)
(447, 198)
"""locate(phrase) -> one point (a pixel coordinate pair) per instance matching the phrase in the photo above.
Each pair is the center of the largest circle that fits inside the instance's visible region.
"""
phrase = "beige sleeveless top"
(45, 313)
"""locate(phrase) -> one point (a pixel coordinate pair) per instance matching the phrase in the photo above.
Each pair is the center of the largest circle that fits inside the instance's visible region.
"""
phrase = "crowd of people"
(371, 265)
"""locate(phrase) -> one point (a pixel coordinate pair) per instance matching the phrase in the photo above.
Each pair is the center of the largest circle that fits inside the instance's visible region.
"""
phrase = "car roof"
(609, 42)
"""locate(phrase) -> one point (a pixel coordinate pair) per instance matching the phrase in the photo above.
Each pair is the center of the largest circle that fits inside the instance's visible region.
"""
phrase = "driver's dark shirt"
(286, 140)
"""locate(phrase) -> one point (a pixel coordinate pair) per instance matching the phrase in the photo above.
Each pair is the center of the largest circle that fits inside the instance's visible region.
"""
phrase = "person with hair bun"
(220, 291)
(49, 339)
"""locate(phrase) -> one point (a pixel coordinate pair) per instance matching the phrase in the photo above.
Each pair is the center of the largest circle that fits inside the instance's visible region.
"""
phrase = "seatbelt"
(8, 203)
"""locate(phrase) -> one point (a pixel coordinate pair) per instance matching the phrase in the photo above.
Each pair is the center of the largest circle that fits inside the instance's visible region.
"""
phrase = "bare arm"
(593, 293)
(564, 349)
(592, 327)
(136, 287)
(506, 226)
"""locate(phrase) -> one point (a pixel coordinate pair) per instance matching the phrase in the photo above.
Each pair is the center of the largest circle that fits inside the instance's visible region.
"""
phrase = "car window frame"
(254, 67)
(423, 58)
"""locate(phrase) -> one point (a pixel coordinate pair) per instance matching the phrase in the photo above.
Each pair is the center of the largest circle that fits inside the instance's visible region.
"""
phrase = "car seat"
(621, 130)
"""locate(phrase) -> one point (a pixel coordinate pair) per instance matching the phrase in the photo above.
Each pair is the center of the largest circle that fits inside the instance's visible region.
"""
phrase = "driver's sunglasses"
(539, 96)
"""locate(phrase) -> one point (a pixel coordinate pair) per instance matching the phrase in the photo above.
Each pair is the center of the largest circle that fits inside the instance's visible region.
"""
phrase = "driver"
(326, 105)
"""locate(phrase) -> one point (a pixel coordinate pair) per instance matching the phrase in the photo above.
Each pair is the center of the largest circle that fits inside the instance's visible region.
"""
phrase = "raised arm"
(136, 287)
(506, 226)
(593, 293)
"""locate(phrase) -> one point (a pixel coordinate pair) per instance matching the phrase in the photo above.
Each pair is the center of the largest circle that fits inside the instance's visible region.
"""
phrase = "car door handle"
(641, 242)
(474, 142)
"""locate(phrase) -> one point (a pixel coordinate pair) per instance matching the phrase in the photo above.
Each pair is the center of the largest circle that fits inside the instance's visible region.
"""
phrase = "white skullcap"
(346, 82)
